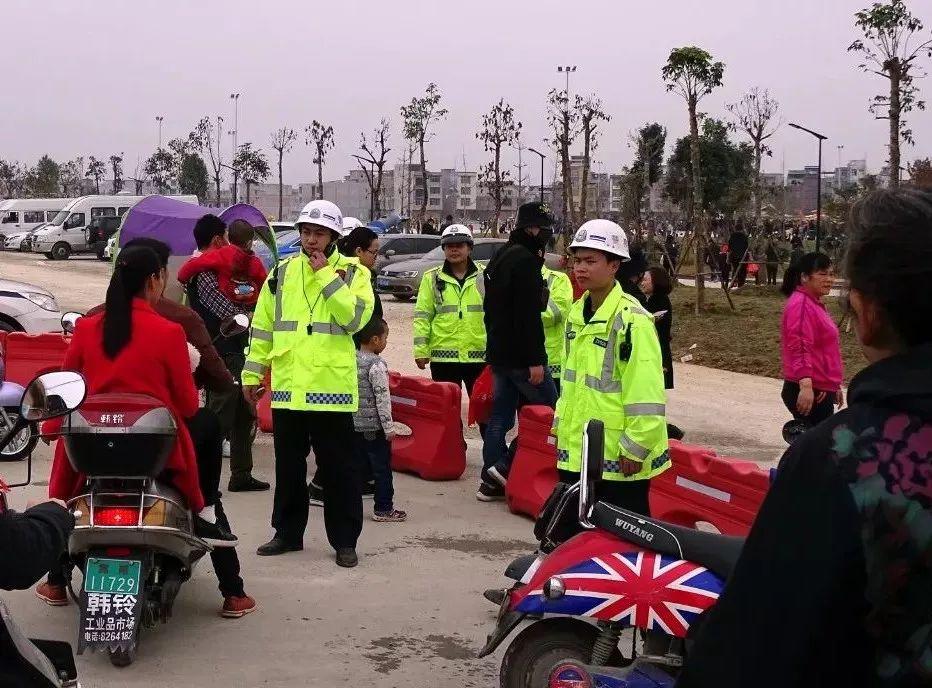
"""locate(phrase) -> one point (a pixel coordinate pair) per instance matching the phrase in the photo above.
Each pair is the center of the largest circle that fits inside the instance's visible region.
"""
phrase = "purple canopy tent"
(172, 221)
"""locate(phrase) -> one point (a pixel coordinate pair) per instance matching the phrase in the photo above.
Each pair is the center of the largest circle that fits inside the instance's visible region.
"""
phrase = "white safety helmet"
(456, 234)
(602, 235)
(351, 223)
(323, 214)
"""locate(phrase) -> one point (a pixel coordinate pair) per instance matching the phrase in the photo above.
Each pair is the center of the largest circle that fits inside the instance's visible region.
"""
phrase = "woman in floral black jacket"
(834, 586)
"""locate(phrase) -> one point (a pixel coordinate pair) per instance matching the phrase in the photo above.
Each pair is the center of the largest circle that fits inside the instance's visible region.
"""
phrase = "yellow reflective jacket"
(613, 372)
(554, 317)
(448, 318)
(303, 333)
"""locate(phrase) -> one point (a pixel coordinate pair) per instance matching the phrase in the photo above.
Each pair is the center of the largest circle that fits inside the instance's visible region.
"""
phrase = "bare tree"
(564, 122)
(649, 142)
(590, 113)
(889, 50)
(12, 179)
(691, 72)
(95, 170)
(319, 136)
(116, 167)
(72, 177)
(418, 116)
(499, 129)
(204, 136)
(753, 115)
(375, 156)
(282, 141)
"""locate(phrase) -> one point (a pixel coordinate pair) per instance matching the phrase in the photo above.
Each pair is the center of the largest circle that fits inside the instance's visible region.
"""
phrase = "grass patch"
(746, 340)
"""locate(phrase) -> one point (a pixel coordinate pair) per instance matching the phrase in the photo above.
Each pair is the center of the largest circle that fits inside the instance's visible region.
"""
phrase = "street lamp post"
(159, 119)
(235, 133)
(818, 222)
(542, 156)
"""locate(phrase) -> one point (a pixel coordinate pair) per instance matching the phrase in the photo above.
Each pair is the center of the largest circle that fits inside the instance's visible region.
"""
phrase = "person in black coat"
(630, 273)
(738, 244)
(515, 297)
(657, 286)
(32, 542)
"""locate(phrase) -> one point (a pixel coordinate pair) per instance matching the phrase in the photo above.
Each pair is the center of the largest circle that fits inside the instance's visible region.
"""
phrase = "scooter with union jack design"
(624, 573)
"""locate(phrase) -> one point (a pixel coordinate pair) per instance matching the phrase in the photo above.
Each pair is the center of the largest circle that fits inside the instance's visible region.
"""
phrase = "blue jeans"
(511, 388)
(377, 454)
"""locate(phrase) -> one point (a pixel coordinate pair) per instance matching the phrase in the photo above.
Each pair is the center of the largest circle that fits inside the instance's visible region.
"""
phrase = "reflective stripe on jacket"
(448, 318)
(303, 333)
(554, 317)
(613, 372)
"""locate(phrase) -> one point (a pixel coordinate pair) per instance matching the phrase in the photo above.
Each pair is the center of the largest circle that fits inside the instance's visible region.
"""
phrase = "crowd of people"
(846, 596)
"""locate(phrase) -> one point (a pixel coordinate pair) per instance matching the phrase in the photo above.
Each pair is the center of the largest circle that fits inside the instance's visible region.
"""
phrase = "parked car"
(20, 241)
(27, 308)
(289, 243)
(111, 246)
(19, 215)
(279, 227)
(395, 248)
(99, 232)
(402, 279)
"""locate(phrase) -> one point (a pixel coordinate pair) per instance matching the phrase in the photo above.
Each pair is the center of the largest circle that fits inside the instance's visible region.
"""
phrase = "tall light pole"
(818, 222)
(542, 156)
(567, 69)
(840, 149)
(235, 133)
(159, 119)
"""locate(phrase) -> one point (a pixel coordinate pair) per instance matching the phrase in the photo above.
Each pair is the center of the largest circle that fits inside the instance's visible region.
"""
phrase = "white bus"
(66, 233)
(23, 214)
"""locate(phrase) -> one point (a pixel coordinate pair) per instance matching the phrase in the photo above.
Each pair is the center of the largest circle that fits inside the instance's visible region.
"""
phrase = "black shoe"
(277, 546)
(346, 557)
(488, 492)
(247, 484)
(213, 534)
(315, 495)
(368, 491)
(499, 474)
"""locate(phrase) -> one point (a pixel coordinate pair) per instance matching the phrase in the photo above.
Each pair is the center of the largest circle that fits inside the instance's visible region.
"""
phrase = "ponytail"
(134, 266)
(807, 265)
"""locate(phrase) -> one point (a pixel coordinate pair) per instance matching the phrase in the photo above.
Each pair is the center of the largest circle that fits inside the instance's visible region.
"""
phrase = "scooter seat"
(718, 553)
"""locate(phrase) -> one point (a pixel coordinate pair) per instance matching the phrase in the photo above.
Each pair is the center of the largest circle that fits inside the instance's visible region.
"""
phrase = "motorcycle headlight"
(43, 301)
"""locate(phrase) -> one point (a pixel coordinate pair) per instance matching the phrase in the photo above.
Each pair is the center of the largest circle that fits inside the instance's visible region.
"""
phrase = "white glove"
(194, 356)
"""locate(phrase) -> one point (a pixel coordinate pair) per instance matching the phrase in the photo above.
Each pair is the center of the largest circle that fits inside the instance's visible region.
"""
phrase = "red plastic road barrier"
(533, 472)
(435, 450)
(702, 486)
(29, 355)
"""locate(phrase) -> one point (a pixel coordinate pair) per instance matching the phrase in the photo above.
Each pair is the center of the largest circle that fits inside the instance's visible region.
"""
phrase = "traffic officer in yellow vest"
(554, 316)
(612, 371)
(449, 331)
(307, 312)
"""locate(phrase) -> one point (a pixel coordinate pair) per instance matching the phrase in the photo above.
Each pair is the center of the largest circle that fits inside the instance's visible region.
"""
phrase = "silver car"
(398, 248)
(27, 308)
(402, 280)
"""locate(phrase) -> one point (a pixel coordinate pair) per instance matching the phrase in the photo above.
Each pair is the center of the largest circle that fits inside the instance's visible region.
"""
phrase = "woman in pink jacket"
(812, 367)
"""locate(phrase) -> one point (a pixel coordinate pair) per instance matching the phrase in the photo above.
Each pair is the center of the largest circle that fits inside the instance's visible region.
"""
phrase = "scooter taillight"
(570, 676)
(116, 516)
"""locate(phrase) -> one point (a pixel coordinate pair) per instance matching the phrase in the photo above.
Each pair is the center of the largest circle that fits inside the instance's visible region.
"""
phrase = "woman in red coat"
(129, 348)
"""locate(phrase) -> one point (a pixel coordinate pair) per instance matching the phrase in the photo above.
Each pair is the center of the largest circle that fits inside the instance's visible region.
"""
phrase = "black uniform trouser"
(331, 436)
(632, 495)
(237, 419)
(207, 439)
(457, 373)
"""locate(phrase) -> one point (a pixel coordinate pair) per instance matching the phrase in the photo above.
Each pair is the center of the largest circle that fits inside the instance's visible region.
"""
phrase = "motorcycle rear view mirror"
(69, 320)
(52, 395)
(593, 452)
(231, 327)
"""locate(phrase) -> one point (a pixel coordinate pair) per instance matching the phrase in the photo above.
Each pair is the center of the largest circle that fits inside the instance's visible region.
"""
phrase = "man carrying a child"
(222, 281)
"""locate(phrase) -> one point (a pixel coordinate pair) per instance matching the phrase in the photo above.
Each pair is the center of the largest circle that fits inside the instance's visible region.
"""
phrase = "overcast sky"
(89, 78)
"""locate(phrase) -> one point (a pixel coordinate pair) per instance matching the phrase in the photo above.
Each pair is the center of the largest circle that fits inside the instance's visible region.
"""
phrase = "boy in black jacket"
(515, 296)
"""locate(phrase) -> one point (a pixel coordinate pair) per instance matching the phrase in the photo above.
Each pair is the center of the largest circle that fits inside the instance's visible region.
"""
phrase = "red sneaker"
(236, 607)
(52, 595)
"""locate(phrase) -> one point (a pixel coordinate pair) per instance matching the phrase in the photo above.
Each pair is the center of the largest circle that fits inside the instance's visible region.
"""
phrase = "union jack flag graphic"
(641, 589)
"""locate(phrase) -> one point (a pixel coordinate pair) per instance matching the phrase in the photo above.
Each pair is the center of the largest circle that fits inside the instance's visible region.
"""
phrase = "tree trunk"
(757, 184)
(281, 188)
(698, 221)
(894, 113)
(217, 183)
(423, 179)
(248, 185)
(568, 210)
(498, 189)
(378, 195)
(320, 175)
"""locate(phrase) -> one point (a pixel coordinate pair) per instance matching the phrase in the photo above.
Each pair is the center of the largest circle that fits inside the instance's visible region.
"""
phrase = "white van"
(66, 233)
(19, 215)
